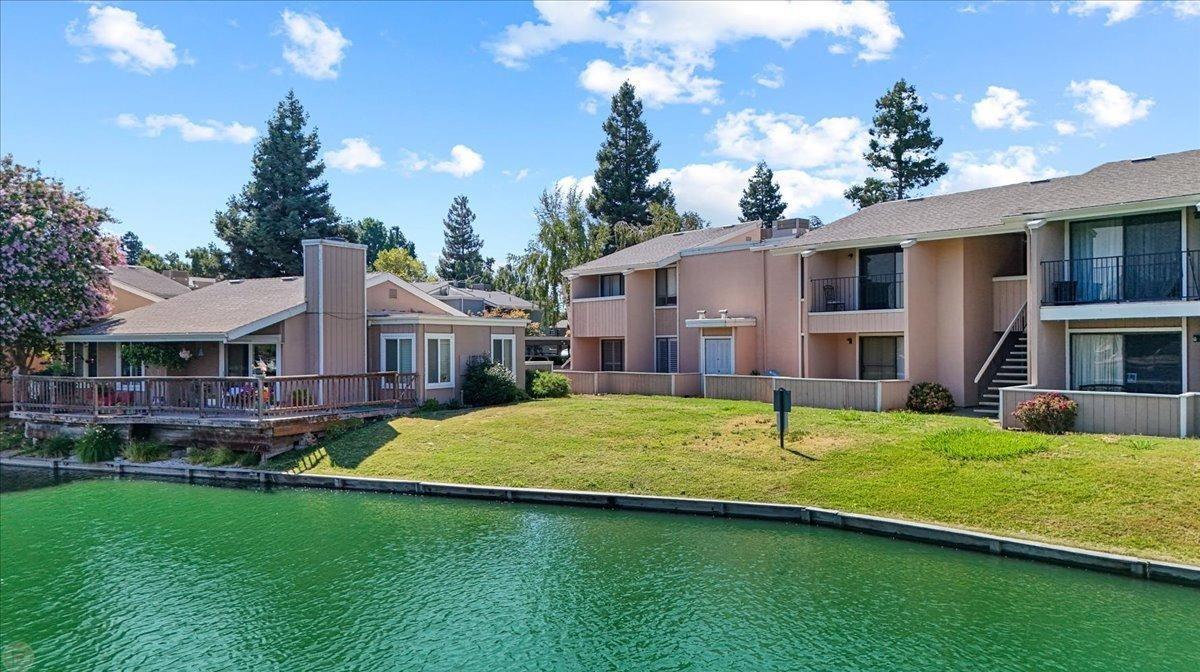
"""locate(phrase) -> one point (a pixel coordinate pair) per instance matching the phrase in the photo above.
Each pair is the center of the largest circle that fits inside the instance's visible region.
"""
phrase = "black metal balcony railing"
(858, 292)
(1164, 276)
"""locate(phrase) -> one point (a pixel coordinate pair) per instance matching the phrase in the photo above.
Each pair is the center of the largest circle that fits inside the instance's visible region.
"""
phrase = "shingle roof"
(442, 289)
(1118, 182)
(140, 277)
(217, 309)
(658, 249)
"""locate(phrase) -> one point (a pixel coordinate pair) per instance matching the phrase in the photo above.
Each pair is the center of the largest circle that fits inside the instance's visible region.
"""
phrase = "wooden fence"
(249, 397)
(1117, 412)
(628, 382)
(865, 395)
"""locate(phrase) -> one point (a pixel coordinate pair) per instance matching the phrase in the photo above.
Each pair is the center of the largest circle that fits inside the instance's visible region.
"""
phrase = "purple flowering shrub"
(52, 254)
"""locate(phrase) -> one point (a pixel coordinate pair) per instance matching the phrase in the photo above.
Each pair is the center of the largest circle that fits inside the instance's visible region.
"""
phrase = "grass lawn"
(1131, 495)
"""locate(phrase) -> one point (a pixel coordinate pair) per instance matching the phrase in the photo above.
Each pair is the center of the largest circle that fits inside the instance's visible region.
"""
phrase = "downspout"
(762, 335)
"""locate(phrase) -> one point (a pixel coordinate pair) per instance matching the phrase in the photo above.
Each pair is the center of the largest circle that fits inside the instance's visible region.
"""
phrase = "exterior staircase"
(1013, 370)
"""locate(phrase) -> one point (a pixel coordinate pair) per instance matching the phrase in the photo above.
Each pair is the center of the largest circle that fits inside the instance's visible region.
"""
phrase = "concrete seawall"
(1153, 570)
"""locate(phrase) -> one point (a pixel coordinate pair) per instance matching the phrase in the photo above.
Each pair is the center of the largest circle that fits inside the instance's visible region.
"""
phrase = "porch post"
(396, 388)
(259, 397)
(200, 397)
(95, 399)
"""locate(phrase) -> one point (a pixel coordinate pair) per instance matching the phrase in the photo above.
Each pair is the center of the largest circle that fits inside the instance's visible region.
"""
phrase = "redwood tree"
(52, 259)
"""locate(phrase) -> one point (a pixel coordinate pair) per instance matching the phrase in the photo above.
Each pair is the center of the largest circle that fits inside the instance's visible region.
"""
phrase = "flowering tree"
(52, 254)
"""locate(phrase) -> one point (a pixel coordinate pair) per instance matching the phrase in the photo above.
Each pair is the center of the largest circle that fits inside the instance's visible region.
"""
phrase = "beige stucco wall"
(404, 302)
(832, 356)
(124, 300)
(1191, 333)
(1047, 339)
(639, 321)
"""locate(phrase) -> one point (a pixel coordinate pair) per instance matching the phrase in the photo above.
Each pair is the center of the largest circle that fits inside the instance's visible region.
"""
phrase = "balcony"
(598, 317)
(1165, 276)
(859, 292)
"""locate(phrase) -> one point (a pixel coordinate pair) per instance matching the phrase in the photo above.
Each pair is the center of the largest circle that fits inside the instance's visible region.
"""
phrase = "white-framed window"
(612, 284)
(81, 357)
(666, 355)
(397, 352)
(504, 348)
(439, 361)
(127, 369)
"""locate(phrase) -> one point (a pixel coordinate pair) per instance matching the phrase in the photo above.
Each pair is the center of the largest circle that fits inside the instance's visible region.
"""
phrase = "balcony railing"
(1164, 276)
(858, 292)
(212, 397)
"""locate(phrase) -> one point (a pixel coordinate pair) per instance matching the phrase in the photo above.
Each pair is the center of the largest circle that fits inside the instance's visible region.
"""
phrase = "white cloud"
(313, 49)
(1002, 108)
(838, 49)
(463, 162)
(666, 43)
(770, 77)
(1118, 10)
(129, 43)
(1184, 9)
(787, 141)
(517, 175)
(1063, 127)
(583, 184)
(355, 154)
(972, 170)
(655, 84)
(713, 189)
(589, 106)
(153, 125)
(1107, 105)
(958, 98)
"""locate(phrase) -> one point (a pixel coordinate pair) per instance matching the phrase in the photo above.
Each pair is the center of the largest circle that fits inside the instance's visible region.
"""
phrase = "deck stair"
(1013, 371)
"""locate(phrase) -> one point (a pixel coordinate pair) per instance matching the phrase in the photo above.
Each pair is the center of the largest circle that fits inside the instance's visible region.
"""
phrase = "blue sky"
(152, 107)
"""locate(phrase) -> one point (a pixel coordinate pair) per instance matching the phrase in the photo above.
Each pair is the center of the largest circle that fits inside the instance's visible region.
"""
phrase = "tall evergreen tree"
(902, 146)
(761, 200)
(377, 238)
(208, 262)
(132, 246)
(461, 260)
(624, 164)
(285, 202)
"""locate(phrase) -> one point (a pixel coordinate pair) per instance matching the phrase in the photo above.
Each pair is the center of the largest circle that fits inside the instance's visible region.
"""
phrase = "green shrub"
(56, 447)
(430, 405)
(249, 459)
(975, 443)
(12, 437)
(99, 443)
(146, 451)
(487, 383)
(339, 428)
(929, 398)
(197, 455)
(547, 384)
(1049, 413)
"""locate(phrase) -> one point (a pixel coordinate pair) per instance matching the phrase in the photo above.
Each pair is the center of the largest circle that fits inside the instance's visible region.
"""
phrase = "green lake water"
(103, 574)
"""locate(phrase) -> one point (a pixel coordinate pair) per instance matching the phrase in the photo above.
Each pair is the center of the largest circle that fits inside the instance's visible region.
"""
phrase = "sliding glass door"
(1147, 362)
(1134, 258)
(879, 273)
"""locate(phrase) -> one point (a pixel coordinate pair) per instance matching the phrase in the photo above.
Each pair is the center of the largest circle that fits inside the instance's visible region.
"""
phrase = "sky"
(153, 109)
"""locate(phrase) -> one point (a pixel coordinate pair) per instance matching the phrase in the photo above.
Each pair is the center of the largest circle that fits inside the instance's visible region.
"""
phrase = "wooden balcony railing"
(229, 397)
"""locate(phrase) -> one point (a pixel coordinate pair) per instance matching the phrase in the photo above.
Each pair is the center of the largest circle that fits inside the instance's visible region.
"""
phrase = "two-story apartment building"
(1088, 282)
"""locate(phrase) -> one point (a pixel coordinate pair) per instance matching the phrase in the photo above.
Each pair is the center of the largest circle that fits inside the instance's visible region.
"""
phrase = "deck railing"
(857, 292)
(226, 397)
(1165, 276)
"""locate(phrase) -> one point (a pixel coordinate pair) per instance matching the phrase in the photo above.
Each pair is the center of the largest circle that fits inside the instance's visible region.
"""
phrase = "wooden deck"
(259, 412)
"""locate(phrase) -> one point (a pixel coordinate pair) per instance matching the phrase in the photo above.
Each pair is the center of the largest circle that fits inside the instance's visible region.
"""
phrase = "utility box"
(783, 406)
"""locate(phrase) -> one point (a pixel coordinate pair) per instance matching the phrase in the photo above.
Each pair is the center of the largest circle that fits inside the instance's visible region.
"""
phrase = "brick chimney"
(335, 291)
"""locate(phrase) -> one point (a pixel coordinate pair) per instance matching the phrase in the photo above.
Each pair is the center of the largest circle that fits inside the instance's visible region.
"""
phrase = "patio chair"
(830, 298)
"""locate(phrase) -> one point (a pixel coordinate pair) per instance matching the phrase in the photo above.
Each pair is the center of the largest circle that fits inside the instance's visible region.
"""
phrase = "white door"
(718, 355)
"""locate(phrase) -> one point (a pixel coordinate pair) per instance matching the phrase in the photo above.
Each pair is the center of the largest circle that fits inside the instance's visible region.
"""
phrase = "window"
(881, 358)
(249, 359)
(666, 286)
(1148, 362)
(612, 354)
(879, 277)
(503, 349)
(81, 357)
(392, 294)
(1134, 258)
(439, 361)
(397, 353)
(612, 285)
(666, 355)
(128, 368)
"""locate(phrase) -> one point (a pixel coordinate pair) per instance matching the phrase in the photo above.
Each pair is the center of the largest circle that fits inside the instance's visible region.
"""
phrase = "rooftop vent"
(1143, 159)
(1039, 181)
(236, 282)
(915, 200)
(289, 278)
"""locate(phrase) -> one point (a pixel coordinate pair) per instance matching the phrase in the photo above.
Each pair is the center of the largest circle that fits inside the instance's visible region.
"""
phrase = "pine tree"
(902, 146)
(623, 167)
(461, 260)
(132, 246)
(761, 200)
(285, 202)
